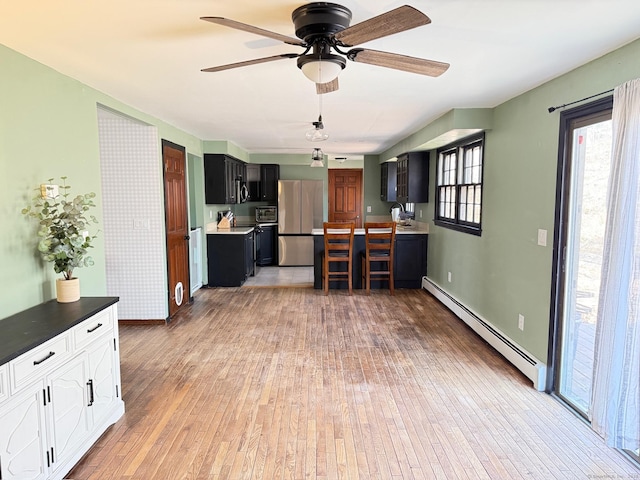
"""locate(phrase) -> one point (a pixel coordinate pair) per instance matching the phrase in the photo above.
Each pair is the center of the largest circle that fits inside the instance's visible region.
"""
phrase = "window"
(459, 185)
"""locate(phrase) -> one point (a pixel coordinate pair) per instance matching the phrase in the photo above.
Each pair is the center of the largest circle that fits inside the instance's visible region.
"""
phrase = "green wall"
(504, 272)
(48, 128)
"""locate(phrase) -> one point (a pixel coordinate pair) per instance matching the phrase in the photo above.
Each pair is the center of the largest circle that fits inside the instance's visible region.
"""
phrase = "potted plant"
(64, 237)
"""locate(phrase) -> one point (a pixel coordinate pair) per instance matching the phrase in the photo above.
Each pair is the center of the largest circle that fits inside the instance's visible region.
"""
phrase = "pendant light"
(316, 134)
(316, 158)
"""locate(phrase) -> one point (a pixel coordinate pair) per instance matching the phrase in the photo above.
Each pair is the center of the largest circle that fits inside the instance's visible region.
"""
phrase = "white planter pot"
(68, 291)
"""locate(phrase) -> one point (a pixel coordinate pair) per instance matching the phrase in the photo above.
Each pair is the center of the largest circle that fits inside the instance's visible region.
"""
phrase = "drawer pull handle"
(38, 362)
(91, 330)
(90, 385)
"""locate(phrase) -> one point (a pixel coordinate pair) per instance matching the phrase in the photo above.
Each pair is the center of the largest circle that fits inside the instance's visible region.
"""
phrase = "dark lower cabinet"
(266, 246)
(410, 260)
(230, 259)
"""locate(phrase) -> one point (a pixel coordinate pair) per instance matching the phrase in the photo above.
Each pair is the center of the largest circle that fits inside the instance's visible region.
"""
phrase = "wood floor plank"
(269, 384)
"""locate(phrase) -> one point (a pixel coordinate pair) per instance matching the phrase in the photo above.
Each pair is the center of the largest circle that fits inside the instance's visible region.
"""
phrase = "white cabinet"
(63, 394)
(66, 410)
(22, 432)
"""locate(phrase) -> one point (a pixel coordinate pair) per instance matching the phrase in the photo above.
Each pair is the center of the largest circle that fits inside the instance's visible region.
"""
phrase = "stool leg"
(391, 281)
(368, 263)
(325, 276)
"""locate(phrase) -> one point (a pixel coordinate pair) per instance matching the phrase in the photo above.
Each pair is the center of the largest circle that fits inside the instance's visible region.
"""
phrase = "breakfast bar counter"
(410, 259)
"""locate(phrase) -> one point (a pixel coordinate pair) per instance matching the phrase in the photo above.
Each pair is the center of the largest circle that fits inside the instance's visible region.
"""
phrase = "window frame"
(443, 181)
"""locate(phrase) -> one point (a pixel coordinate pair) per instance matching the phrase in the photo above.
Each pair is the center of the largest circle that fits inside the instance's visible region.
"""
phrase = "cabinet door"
(22, 434)
(269, 177)
(248, 255)
(265, 246)
(410, 260)
(102, 377)
(214, 179)
(230, 180)
(388, 181)
(67, 414)
(226, 260)
(402, 179)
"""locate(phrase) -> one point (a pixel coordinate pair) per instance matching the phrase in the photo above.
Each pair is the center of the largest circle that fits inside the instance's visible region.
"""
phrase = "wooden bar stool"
(380, 238)
(338, 247)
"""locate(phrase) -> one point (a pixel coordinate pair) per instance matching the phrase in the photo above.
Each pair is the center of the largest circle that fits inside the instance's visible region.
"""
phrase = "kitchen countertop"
(400, 230)
(212, 229)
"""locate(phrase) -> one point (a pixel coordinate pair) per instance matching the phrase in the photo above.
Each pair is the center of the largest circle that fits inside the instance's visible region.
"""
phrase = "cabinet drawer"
(39, 361)
(4, 382)
(95, 327)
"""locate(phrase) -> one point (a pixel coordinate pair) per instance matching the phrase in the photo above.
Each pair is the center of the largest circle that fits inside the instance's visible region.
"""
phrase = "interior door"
(345, 195)
(177, 227)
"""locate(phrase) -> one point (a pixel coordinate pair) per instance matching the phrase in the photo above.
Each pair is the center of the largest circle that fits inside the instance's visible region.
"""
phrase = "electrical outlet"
(449, 277)
(521, 321)
(542, 237)
(368, 208)
(420, 213)
(210, 214)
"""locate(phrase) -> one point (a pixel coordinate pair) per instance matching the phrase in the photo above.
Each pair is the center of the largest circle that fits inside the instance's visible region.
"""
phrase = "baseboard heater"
(521, 359)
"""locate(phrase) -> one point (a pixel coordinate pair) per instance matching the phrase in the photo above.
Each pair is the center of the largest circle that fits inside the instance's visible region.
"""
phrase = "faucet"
(394, 205)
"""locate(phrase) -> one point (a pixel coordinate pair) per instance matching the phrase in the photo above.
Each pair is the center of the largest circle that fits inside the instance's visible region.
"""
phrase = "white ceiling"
(148, 54)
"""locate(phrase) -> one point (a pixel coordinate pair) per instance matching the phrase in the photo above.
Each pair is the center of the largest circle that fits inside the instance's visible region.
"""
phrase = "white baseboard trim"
(530, 366)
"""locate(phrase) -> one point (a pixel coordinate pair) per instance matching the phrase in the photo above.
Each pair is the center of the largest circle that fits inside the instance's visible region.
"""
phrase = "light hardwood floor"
(266, 383)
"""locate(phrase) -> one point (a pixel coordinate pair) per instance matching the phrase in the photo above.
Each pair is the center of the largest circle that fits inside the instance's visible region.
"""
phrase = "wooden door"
(345, 195)
(177, 227)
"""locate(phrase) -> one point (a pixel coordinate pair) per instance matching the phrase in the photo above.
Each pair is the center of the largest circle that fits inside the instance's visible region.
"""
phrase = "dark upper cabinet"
(262, 181)
(413, 177)
(388, 185)
(220, 173)
(253, 181)
(269, 176)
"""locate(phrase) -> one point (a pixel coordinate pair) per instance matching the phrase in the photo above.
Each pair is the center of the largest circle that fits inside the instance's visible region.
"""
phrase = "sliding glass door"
(586, 164)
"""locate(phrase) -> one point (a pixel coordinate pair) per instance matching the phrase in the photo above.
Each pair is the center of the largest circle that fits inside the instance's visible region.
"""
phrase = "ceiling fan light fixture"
(316, 158)
(321, 68)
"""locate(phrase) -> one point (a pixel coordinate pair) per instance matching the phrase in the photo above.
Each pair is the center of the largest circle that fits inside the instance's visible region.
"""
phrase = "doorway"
(177, 225)
(583, 175)
(345, 195)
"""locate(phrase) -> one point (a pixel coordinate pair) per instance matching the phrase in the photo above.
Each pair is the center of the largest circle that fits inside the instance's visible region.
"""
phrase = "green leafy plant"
(64, 221)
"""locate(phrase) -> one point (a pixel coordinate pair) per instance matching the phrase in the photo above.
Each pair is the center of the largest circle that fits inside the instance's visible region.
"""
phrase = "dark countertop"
(23, 331)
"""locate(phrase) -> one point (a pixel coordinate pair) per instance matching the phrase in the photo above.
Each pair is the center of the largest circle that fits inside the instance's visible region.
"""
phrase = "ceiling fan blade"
(328, 87)
(395, 21)
(398, 62)
(255, 30)
(250, 62)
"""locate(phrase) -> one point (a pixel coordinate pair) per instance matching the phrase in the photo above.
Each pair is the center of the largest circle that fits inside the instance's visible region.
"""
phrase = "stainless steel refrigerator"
(300, 210)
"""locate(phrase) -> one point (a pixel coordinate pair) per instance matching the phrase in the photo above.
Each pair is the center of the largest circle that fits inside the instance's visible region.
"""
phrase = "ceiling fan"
(322, 27)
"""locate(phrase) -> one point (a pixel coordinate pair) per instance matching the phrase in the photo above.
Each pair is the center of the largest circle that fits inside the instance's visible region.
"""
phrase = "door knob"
(187, 237)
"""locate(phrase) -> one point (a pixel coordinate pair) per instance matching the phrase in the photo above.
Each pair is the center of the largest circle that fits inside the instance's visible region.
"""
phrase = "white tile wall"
(133, 206)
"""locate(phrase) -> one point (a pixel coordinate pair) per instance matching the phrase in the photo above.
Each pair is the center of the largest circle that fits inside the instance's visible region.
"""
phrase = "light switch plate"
(542, 237)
